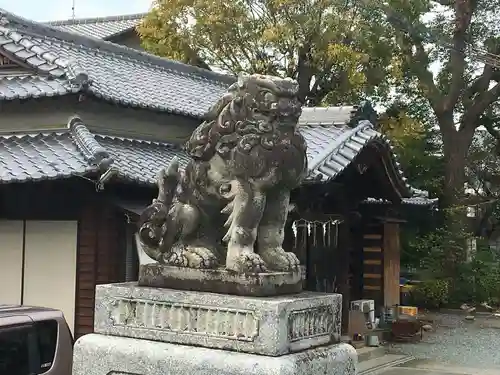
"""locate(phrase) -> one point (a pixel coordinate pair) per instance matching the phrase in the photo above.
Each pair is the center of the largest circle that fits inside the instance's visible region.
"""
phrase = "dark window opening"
(47, 342)
(28, 349)
(16, 350)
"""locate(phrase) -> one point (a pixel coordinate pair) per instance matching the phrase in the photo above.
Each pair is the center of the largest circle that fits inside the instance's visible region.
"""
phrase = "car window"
(15, 350)
(28, 349)
(47, 341)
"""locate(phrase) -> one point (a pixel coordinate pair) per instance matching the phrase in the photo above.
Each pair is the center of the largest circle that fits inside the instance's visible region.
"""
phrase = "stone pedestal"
(107, 355)
(145, 330)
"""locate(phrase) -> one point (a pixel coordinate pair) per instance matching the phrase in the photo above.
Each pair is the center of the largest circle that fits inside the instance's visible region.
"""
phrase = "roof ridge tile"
(91, 150)
(86, 20)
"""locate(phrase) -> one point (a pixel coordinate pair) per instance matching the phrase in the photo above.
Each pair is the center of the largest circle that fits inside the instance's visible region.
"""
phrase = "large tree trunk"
(455, 146)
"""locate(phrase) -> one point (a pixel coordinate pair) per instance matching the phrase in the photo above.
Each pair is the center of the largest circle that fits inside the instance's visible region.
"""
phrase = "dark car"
(34, 340)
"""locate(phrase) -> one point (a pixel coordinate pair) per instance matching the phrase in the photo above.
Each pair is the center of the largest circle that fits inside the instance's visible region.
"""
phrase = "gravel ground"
(458, 342)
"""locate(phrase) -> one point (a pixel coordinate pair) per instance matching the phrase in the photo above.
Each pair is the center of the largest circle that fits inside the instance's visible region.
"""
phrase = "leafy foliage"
(338, 50)
(475, 281)
(431, 293)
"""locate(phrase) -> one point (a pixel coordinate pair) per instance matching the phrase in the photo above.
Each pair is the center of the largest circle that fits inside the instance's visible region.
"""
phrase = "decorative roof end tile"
(92, 151)
(364, 111)
(76, 74)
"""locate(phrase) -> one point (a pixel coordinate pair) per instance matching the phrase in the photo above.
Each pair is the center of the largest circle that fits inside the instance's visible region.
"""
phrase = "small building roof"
(58, 62)
(100, 27)
(334, 141)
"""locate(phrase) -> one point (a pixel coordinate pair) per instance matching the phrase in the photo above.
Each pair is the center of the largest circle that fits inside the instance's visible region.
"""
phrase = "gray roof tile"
(101, 27)
(414, 201)
(112, 72)
(138, 161)
(23, 87)
(40, 157)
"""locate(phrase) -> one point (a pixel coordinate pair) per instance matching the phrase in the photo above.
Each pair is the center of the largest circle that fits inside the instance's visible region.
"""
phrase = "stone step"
(376, 365)
(366, 353)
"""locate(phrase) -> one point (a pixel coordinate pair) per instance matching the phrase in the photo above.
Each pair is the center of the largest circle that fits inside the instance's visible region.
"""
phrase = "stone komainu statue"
(232, 199)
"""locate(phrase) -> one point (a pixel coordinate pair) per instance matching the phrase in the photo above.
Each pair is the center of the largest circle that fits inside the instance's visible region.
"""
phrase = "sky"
(50, 10)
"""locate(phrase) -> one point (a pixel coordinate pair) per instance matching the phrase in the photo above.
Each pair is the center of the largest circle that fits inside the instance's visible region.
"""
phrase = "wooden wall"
(373, 266)
(381, 262)
(100, 259)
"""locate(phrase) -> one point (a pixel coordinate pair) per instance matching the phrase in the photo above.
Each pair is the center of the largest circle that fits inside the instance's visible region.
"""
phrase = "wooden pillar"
(392, 266)
(344, 249)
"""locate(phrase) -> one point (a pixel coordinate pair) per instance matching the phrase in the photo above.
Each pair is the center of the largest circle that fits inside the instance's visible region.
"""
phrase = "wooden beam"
(371, 287)
(392, 266)
(372, 276)
(385, 219)
(372, 236)
(373, 262)
(372, 249)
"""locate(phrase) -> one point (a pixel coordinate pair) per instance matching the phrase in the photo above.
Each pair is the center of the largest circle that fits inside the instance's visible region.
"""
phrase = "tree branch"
(490, 73)
(445, 2)
(479, 105)
(418, 62)
(493, 132)
(463, 15)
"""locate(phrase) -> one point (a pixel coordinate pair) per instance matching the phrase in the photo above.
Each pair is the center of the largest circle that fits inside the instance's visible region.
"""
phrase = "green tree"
(337, 50)
(464, 89)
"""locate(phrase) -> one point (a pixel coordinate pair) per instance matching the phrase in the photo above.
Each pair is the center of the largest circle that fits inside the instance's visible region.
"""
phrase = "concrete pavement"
(456, 347)
(429, 367)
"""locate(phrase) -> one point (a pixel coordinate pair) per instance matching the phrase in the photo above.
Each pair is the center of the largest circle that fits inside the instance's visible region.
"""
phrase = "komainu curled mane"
(232, 199)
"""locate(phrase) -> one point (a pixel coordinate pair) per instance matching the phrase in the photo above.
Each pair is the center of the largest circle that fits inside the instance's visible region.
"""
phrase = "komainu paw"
(278, 259)
(250, 263)
(201, 257)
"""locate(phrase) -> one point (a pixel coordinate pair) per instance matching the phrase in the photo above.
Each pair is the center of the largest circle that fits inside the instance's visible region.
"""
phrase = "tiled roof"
(77, 151)
(34, 157)
(101, 27)
(24, 87)
(137, 160)
(109, 71)
(333, 145)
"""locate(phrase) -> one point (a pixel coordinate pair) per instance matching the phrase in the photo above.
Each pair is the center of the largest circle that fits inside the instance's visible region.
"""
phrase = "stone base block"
(269, 326)
(96, 354)
(220, 280)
